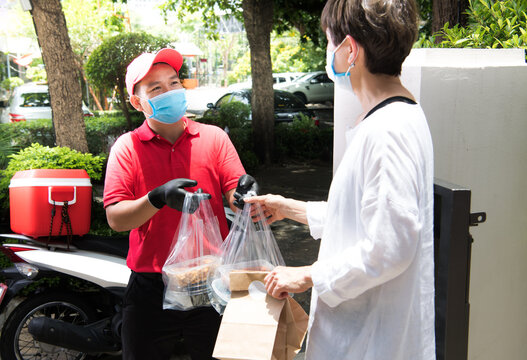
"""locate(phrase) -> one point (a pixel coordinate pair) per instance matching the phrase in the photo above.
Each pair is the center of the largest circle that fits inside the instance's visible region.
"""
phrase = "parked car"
(313, 87)
(285, 78)
(278, 78)
(30, 102)
(286, 105)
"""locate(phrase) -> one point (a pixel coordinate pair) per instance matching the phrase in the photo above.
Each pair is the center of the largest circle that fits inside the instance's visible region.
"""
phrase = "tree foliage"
(108, 62)
(91, 21)
(106, 66)
(288, 54)
(425, 12)
(304, 15)
(491, 24)
(210, 10)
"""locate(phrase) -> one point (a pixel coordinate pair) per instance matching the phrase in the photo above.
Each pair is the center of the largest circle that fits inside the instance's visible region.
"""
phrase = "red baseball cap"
(142, 64)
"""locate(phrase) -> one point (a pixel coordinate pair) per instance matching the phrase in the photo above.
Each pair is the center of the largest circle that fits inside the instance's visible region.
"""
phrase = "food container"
(33, 194)
(219, 284)
(186, 282)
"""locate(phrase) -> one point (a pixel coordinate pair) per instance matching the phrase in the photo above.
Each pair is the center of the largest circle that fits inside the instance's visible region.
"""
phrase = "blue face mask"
(169, 107)
(340, 79)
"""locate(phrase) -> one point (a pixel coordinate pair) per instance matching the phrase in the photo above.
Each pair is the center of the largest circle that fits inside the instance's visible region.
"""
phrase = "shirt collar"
(146, 134)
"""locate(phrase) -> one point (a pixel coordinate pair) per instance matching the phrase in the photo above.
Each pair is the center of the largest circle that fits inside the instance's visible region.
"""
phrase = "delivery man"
(150, 169)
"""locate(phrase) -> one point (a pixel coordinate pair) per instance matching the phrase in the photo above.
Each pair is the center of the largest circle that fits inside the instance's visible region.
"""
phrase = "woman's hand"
(272, 206)
(276, 207)
(284, 280)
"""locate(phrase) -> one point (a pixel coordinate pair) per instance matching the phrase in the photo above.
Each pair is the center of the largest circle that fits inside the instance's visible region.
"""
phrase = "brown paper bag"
(256, 326)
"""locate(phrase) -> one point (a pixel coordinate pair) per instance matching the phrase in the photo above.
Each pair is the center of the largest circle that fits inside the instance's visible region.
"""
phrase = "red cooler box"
(32, 194)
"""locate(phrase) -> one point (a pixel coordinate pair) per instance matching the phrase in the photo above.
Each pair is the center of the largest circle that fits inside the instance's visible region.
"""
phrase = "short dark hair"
(386, 29)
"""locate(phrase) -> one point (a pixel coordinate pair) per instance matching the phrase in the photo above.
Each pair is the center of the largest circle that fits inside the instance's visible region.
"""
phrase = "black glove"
(172, 193)
(247, 186)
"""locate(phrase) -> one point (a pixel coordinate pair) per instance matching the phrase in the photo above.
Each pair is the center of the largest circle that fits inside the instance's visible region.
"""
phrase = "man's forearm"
(129, 214)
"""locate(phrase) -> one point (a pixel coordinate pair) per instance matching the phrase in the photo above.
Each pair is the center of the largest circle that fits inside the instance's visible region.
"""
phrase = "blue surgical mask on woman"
(341, 80)
(169, 107)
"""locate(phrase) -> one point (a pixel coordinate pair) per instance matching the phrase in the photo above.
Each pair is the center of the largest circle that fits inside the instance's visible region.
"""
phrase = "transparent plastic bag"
(249, 246)
(195, 254)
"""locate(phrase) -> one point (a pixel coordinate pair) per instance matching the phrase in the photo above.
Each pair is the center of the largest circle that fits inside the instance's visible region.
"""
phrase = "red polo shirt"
(141, 160)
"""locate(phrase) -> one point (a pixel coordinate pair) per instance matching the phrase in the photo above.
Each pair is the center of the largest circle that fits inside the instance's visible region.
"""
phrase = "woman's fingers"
(255, 199)
(273, 285)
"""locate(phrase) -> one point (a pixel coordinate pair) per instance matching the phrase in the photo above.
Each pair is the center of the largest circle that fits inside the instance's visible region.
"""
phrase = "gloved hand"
(172, 193)
(247, 186)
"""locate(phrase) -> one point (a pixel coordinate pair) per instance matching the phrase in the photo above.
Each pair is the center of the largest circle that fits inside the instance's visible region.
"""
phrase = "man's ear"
(136, 102)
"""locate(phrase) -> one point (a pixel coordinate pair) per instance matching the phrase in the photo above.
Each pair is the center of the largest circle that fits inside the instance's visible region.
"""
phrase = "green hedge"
(300, 140)
(101, 131)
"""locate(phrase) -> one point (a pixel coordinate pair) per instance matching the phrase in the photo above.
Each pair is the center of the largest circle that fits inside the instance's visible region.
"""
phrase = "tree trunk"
(124, 106)
(451, 11)
(63, 78)
(258, 21)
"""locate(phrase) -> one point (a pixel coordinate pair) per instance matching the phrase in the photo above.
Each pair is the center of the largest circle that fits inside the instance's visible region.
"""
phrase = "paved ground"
(308, 182)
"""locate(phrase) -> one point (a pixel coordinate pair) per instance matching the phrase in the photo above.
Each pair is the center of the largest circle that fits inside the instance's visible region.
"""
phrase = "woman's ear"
(353, 49)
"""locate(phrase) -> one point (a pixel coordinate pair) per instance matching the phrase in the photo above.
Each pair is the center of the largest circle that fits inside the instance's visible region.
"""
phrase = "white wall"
(476, 106)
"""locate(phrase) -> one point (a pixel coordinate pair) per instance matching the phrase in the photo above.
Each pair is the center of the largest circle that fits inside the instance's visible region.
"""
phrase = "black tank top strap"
(389, 101)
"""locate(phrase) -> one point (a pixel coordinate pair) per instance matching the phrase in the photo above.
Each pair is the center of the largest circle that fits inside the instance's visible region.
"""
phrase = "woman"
(373, 285)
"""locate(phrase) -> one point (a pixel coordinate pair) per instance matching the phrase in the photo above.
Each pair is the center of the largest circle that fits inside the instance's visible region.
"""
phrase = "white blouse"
(373, 294)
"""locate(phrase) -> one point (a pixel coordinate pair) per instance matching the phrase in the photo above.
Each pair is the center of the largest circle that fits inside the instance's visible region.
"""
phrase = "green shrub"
(242, 140)
(37, 156)
(12, 82)
(25, 133)
(491, 24)
(302, 140)
(37, 140)
(249, 160)
(303, 123)
(101, 132)
(99, 224)
(232, 115)
(6, 148)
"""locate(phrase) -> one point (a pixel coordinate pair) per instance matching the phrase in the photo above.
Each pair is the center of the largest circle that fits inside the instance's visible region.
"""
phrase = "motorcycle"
(62, 301)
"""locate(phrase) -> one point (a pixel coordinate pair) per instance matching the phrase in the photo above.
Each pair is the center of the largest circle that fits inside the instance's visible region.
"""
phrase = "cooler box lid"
(50, 177)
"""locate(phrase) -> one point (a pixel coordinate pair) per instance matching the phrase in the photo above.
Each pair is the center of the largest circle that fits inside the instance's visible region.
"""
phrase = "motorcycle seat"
(112, 245)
